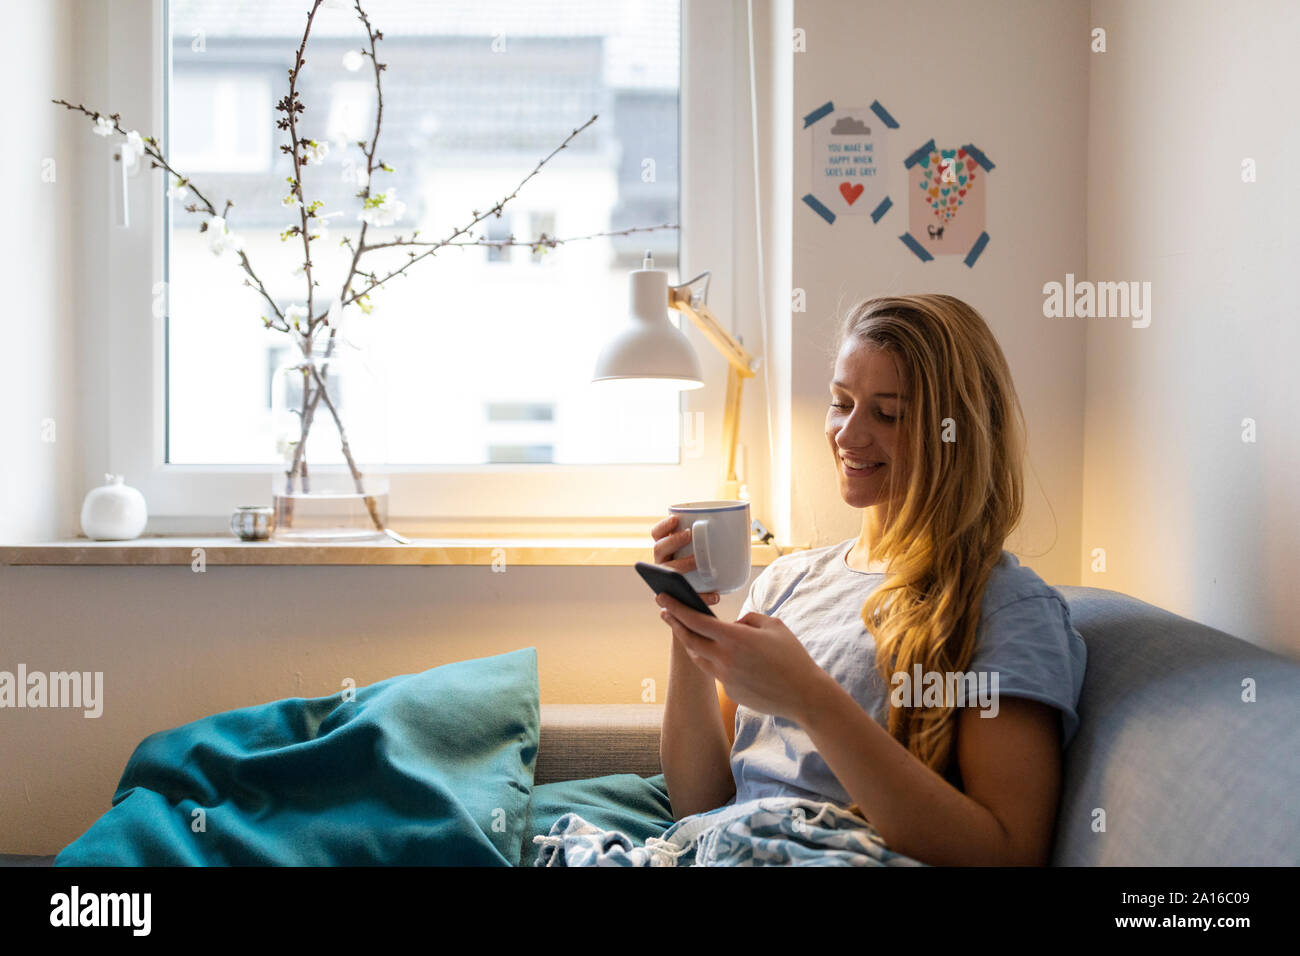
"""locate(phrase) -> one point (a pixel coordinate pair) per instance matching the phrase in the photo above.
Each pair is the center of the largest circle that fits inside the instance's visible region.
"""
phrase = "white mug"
(720, 541)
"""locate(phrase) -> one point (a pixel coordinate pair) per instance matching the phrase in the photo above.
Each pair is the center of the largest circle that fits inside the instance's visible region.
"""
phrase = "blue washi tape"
(915, 158)
(884, 115)
(980, 243)
(881, 209)
(979, 157)
(916, 247)
(818, 208)
(818, 113)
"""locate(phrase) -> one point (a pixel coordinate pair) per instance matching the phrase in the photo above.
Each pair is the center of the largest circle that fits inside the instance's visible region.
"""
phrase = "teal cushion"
(636, 806)
(431, 768)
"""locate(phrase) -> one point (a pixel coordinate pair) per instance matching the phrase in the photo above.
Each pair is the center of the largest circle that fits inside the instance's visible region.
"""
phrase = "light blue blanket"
(769, 831)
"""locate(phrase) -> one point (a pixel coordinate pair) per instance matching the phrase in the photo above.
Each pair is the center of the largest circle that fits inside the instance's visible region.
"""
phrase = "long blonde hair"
(963, 435)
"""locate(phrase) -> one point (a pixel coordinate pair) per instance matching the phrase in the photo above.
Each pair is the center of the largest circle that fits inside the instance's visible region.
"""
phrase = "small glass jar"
(252, 522)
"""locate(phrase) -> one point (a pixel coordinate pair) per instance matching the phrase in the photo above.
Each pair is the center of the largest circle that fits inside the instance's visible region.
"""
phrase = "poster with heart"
(849, 161)
(946, 206)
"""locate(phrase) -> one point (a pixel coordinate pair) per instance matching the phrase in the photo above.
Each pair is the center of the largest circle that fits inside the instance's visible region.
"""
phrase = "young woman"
(926, 435)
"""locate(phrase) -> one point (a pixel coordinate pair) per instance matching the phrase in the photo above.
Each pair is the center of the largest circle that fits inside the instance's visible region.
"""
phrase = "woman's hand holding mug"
(668, 542)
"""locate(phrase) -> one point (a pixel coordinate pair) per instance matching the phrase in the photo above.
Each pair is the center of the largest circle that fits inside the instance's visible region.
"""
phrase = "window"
(499, 231)
(521, 431)
(192, 414)
(468, 113)
(226, 122)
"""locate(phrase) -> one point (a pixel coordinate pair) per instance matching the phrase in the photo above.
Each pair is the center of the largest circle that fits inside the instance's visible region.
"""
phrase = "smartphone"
(673, 583)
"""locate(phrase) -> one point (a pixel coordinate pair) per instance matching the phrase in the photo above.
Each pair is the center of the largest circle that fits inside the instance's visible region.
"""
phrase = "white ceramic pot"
(113, 511)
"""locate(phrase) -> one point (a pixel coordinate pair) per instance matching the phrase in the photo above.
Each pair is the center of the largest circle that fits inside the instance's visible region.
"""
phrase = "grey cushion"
(1186, 772)
(591, 740)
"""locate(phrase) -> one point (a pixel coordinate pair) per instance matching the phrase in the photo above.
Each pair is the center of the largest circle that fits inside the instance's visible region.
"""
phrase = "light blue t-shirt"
(1024, 635)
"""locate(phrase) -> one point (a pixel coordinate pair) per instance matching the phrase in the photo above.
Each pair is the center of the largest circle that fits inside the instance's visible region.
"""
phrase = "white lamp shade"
(649, 346)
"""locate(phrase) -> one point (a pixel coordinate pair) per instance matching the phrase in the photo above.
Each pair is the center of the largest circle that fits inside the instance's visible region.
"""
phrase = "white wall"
(1192, 518)
(40, 479)
(1009, 76)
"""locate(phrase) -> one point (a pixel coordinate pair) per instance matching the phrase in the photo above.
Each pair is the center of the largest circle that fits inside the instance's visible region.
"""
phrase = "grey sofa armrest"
(592, 740)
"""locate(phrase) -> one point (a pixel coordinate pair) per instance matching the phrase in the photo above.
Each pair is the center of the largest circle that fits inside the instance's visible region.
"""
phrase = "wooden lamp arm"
(741, 365)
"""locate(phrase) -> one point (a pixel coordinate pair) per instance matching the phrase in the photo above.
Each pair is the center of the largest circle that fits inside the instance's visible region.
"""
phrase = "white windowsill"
(227, 550)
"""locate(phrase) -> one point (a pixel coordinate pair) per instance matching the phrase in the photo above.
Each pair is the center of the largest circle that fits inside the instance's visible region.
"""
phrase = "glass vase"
(323, 493)
(333, 511)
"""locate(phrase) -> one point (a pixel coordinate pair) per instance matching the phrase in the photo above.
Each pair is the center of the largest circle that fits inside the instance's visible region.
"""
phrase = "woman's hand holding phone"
(668, 542)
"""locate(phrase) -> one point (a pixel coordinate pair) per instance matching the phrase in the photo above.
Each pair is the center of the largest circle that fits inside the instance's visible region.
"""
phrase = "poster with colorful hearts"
(849, 161)
(946, 205)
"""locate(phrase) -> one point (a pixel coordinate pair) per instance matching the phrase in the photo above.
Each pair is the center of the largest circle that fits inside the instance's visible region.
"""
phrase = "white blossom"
(383, 209)
(284, 446)
(341, 317)
(178, 190)
(322, 227)
(134, 146)
(315, 153)
(103, 126)
(293, 313)
(290, 201)
(221, 238)
(351, 329)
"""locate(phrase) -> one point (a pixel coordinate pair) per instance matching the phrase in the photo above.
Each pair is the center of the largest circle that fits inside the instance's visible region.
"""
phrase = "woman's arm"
(1010, 766)
(693, 747)
(694, 750)
(1010, 763)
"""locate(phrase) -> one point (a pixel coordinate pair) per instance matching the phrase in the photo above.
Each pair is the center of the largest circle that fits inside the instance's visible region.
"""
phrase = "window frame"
(130, 363)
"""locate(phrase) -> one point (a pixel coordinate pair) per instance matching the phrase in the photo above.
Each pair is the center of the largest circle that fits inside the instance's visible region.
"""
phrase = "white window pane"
(471, 329)
(225, 124)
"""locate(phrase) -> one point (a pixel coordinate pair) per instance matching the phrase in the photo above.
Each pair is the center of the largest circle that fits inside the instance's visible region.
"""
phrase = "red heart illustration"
(952, 200)
(961, 192)
(851, 193)
(970, 164)
(961, 153)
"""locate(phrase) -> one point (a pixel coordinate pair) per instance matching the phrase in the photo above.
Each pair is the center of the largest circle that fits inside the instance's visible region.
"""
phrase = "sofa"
(1174, 763)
